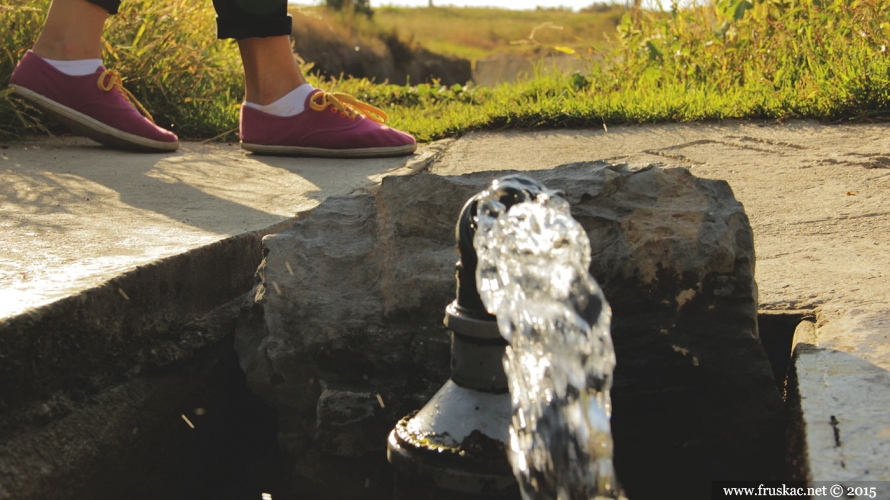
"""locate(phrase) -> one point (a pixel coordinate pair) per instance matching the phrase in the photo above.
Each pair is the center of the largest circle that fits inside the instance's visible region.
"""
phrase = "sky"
(504, 4)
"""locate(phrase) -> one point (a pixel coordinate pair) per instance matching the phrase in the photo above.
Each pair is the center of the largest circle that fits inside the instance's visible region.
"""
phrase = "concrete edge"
(94, 339)
(839, 427)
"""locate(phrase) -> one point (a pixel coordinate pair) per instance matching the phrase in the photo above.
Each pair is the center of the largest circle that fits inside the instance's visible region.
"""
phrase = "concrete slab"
(77, 217)
(842, 386)
(76, 214)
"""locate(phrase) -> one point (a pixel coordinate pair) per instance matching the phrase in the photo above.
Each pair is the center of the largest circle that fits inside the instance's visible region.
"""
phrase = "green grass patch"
(822, 59)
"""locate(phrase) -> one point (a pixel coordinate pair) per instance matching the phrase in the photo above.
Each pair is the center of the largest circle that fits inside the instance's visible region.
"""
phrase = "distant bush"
(602, 7)
(358, 6)
(338, 45)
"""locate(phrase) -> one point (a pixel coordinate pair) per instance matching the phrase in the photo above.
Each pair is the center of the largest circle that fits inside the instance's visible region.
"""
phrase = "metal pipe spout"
(457, 442)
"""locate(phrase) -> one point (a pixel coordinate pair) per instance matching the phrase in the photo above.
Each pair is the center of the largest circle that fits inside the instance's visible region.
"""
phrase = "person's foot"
(333, 125)
(94, 105)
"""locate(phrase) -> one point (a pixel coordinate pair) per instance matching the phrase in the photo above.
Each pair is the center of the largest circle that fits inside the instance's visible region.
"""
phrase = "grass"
(822, 59)
(817, 59)
(469, 33)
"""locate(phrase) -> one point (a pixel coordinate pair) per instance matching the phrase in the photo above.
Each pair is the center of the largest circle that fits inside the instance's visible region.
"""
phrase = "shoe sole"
(329, 153)
(93, 128)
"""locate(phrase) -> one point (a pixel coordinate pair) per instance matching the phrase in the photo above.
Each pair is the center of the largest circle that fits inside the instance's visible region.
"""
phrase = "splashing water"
(533, 274)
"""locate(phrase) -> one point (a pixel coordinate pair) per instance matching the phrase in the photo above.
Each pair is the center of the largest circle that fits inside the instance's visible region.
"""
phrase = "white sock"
(291, 104)
(79, 67)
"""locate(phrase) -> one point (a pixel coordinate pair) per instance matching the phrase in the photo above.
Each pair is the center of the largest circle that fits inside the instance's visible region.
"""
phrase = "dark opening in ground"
(776, 334)
(231, 453)
(234, 453)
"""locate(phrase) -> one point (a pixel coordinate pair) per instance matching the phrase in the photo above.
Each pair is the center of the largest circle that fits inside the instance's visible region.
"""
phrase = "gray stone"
(343, 419)
(351, 299)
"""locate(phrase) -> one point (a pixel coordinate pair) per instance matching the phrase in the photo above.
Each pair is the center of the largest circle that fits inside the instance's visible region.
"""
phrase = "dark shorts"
(239, 18)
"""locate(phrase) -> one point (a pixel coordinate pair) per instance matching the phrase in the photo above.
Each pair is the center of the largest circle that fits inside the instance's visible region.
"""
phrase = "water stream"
(533, 274)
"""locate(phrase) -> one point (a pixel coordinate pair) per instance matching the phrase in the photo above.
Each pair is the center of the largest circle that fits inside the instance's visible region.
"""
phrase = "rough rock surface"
(346, 335)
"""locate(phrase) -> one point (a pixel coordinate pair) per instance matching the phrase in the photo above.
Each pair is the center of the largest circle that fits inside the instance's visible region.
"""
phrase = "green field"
(477, 33)
(822, 59)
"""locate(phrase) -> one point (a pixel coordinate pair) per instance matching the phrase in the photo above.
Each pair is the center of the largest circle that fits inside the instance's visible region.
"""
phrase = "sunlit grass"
(804, 59)
(822, 59)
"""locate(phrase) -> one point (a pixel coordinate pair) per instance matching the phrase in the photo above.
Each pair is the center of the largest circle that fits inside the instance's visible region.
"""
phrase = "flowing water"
(533, 274)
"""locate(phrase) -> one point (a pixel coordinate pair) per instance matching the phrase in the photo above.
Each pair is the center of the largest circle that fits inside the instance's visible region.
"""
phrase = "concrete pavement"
(76, 214)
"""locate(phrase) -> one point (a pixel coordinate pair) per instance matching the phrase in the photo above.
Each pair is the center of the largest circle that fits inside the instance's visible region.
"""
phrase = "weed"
(772, 59)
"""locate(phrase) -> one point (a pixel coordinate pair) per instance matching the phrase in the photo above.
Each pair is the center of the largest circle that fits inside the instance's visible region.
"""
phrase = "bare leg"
(270, 69)
(73, 30)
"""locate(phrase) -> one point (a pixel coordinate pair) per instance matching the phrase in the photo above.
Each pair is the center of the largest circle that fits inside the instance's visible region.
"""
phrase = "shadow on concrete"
(334, 176)
(77, 214)
(215, 188)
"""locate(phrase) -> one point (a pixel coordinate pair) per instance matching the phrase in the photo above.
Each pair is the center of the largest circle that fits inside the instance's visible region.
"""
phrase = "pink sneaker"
(96, 105)
(331, 125)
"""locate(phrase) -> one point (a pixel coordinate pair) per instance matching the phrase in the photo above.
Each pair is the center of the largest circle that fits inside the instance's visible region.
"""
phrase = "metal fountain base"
(459, 450)
(457, 443)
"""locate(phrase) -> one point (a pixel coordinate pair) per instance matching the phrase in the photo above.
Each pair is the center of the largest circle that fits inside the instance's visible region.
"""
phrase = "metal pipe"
(457, 442)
